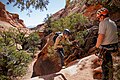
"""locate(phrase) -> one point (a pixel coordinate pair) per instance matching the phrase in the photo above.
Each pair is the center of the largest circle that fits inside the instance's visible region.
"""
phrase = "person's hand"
(75, 41)
(93, 49)
(60, 46)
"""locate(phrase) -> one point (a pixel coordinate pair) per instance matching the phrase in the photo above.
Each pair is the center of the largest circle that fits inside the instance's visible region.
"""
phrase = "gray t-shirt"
(109, 29)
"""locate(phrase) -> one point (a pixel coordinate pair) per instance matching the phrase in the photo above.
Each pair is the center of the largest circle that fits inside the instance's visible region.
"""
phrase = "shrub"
(33, 41)
(70, 22)
(13, 62)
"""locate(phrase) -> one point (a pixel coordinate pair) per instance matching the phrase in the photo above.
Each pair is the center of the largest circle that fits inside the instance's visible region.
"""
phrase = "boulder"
(97, 73)
(46, 64)
(97, 63)
(78, 70)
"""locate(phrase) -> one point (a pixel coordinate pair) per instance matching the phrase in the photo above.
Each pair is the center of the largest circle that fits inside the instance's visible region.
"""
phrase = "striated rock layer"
(10, 18)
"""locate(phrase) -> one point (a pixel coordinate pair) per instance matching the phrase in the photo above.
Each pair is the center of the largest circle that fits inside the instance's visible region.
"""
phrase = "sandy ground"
(30, 69)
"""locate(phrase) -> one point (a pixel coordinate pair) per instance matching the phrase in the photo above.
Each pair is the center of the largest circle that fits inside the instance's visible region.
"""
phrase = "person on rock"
(59, 44)
(107, 40)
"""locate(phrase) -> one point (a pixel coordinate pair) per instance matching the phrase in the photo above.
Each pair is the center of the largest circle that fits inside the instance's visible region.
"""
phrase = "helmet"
(66, 31)
(102, 11)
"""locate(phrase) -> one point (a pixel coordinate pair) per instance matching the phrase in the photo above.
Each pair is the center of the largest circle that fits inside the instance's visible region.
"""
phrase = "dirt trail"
(30, 68)
(29, 71)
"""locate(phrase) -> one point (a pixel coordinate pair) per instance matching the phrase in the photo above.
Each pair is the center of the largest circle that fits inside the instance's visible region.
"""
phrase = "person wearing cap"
(58, 45)
(107, 39)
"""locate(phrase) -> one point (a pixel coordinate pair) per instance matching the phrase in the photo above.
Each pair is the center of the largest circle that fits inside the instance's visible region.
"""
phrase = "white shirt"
(109, 29)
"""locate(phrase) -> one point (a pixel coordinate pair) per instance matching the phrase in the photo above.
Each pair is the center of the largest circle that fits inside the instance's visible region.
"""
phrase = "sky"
(37, 16)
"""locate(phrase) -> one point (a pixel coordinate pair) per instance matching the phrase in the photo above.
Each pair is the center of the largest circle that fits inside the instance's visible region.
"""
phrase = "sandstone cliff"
(87, 9)
(10, 19)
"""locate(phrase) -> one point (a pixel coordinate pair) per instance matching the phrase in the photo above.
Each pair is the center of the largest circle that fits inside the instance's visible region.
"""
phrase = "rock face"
(12, 19)
(80, 6)
(81, 70)
(87, 68)
(46, 64)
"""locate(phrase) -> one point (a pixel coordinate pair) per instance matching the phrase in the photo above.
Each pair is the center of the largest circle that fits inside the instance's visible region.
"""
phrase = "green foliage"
(33, 41)
(77, 25)
(2, 77)
(105, 3)
(117, 73)
(48, 21)
(75, 22)
(29, 42)
(109, 3)
(69, 22)
(81, 36)
(28, 4)
(51, 52)
(12, 37)
(13, 62)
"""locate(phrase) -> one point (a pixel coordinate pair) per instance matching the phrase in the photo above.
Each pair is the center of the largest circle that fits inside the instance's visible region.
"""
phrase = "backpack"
(56, 35)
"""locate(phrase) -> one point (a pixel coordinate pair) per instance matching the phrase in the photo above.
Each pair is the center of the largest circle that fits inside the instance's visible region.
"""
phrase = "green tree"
(13, 62)
(76, 23)
(28, 42)
(73, 22)
(28, 4)
(33, 41)
(48, 22)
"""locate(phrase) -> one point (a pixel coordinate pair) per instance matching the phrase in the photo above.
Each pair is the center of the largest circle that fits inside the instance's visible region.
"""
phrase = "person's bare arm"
(99, 40)
(69, 41)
